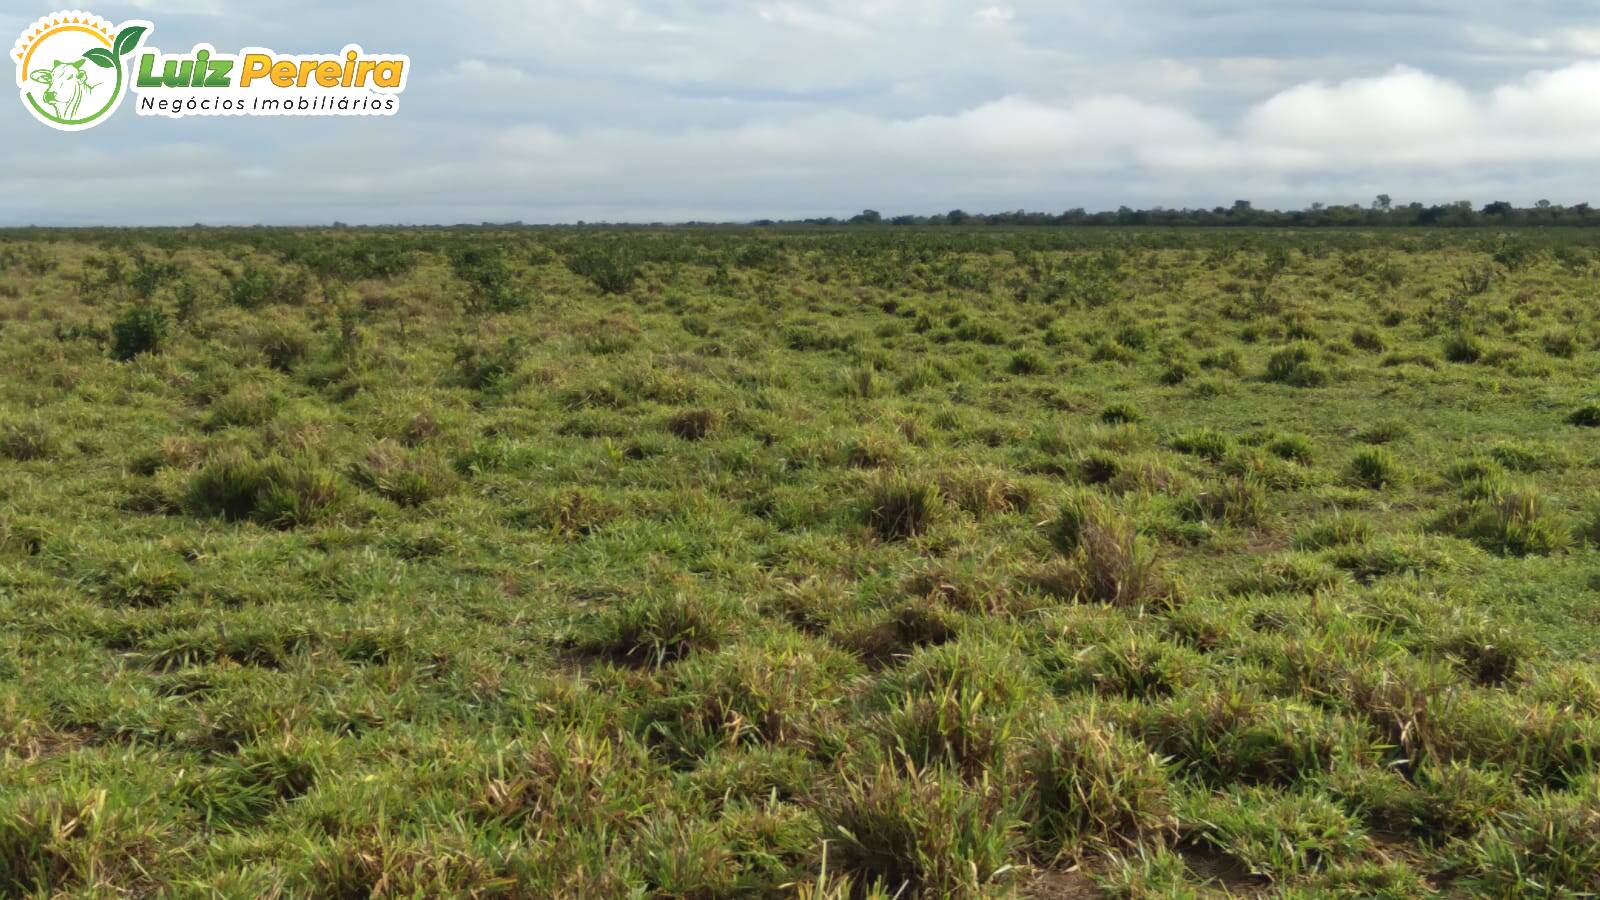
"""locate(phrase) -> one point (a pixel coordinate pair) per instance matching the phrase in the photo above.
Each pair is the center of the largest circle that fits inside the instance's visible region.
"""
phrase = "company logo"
(73, 69)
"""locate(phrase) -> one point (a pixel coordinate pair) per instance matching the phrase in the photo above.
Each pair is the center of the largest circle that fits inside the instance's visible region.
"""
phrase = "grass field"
(800, 563)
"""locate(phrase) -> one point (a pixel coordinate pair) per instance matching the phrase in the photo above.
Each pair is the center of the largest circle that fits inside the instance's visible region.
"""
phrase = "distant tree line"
(1382, 212)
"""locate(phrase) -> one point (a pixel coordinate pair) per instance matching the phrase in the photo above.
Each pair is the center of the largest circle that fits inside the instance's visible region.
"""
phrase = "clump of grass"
(1106, 561)
(901, 507)
(139, 330)
(1529, 457)
(1206, 443)
(692, 424)
(1296, 366)
(300, 493)
(1586, 416)
(1097, 466)
(874, 450)
(1235, 501)
(1177, 372)
(1274, 833)
(407, 477)
(780, 690)
(1292, 574)
(1228, 359)
(983, 492)
(480, 365)
(1397, 556)
(50, 843)
(863, 382)
(1489, 656)
(145, 580)
(1546, 845)
(920, 831)
(283, 344)
(1455, 800)
(1142, 666)
(1225, 733)
(1340, 530)
(275, 491)
(1094, 787)
(1464, 347)
(1374, 469)
(1510, 521)
(658, 630)
(1383, 432)
(1027, 362)
(27, 440)
(1562, 343)
(1295, 448)
(1121, 414)
(242, 407)
(1589, 528)
(909, 624)
(577, 512)
(955, 726)
(1368, 339)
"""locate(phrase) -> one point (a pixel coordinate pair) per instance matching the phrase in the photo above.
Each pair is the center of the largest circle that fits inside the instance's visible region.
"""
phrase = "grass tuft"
(901, 507)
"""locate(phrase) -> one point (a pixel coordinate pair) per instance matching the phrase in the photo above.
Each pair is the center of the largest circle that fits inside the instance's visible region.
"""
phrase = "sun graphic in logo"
(72, 67)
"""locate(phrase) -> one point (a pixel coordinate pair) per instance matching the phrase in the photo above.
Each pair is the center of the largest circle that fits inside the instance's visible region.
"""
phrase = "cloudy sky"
(666, 110)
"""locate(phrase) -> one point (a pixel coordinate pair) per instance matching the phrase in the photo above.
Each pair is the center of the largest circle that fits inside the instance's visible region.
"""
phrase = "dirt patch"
(1049, 884)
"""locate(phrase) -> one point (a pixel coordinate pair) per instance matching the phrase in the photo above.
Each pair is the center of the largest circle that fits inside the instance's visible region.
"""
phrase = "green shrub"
(612, 270)
(140, 329)
(254, 287)
(489, 279)
(480, 365)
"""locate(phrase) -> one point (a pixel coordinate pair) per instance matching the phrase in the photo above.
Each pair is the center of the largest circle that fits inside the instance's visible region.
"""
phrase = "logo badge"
(73, 67)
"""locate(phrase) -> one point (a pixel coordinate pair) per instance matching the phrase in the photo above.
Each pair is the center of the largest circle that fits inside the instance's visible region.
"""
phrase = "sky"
(731, 110)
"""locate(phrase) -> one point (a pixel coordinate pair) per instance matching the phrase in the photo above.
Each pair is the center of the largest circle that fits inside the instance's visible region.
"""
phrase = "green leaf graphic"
(101, 57)
(128, 38)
